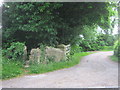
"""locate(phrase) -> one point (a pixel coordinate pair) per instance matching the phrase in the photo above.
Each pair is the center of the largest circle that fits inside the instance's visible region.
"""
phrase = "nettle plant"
(15, 51)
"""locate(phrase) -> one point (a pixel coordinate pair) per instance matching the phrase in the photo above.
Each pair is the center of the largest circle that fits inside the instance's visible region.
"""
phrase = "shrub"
(15, 51)
(4, 52)
(50, 59)
(75, 49)
(117, 48)
(42, 48)
(94, 46)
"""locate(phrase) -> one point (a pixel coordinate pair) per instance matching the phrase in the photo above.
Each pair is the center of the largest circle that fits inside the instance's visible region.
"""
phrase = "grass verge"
(12, 69)
(114, 58)
(107, 48)
(43, 68)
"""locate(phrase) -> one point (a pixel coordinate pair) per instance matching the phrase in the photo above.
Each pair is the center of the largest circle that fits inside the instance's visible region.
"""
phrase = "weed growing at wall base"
(42, 68)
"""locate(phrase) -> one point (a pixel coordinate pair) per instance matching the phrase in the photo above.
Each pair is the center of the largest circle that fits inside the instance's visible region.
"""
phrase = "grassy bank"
(11, 68)
(14, 68)
(42, 68)
(114, 58)
(107, 48)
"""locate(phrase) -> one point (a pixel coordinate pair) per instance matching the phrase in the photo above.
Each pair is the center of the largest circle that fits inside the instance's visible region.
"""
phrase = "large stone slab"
(55, 52)
(65, 48)
(25, 53)
(35, 55)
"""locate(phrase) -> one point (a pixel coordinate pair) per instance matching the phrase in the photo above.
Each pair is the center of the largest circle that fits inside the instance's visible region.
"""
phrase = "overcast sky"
(115, 30)
(1, 2)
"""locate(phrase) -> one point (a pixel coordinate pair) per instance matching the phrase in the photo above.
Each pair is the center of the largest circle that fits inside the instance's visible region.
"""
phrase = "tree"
(29, 22)
(52, 23)
(85, 13)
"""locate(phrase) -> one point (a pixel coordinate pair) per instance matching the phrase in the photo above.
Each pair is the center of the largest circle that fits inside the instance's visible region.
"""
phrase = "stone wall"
(25, 53)
(34, 56)
(59, 53)
(65, 48)
(55, 52)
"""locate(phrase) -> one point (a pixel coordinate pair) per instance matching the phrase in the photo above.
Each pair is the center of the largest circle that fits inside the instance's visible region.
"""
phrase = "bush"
(90, 45)
(94, 46)
(15, 51)
(75, 49)
(42, 48)
(117, 48)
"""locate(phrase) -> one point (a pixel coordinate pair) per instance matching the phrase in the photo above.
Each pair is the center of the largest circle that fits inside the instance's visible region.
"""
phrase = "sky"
(1, 2)
(115, 30)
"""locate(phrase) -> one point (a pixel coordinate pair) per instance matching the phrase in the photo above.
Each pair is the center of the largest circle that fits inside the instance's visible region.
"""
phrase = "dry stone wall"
(25, 53)
(55, 52)
(65, 48)
(59, 53)
(35, 55)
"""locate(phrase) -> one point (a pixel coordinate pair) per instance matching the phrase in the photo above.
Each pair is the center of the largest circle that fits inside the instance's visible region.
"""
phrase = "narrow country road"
(95, 70)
